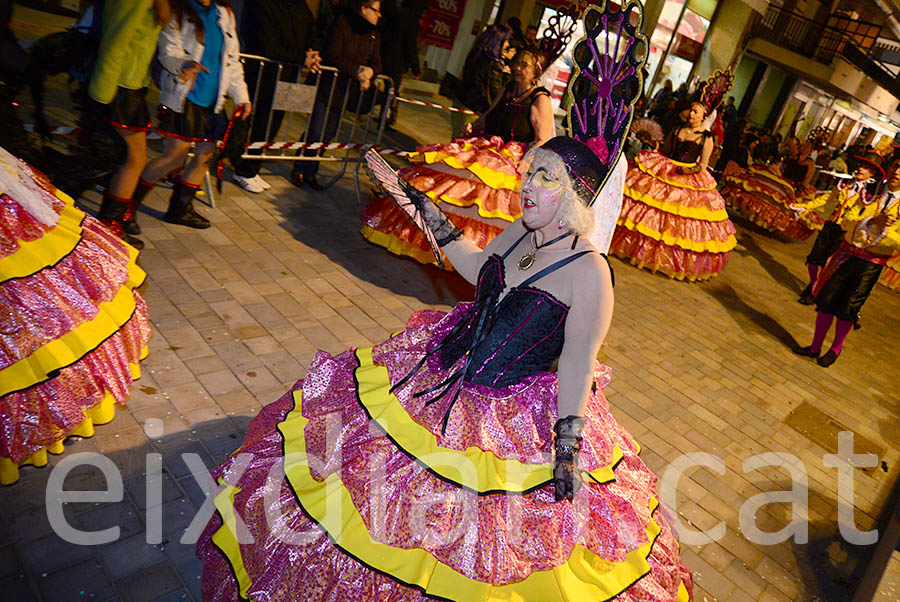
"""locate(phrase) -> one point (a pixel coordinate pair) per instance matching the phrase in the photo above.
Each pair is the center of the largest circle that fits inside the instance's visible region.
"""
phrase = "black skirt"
(827, 242)
(194, 123)
(844, 293)
(128, 110)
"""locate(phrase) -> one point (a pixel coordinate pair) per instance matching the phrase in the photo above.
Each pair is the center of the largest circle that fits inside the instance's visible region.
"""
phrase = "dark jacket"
(352, 43)
(482, 82)
(281, 30)
(399, 36)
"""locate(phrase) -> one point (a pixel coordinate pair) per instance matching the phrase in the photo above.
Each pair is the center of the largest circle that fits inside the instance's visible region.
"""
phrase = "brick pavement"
(239, 310)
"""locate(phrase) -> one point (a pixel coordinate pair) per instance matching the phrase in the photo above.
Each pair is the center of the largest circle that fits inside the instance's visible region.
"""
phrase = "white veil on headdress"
(17, 182)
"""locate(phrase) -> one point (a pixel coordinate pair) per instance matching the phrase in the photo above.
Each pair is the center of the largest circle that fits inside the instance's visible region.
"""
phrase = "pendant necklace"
(527, 259)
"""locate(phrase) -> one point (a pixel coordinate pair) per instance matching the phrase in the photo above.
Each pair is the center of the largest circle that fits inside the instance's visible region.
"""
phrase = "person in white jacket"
(200, 55)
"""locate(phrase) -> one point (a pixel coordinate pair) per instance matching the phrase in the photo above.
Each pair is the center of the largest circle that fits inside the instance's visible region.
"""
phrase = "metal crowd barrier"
(295, 96)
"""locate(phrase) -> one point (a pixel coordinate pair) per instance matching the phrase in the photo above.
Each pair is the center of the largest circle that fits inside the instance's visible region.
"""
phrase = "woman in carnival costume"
(673, 219)
(779, 199)
(448, 462)
(849, 197)
(73, 327)
(200, 55)
(475, 178)
(848, 278)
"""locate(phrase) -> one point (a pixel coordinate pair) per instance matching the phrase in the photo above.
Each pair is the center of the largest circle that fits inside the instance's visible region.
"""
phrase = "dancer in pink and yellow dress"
(475, 178)
(451, 462)
(73, 327)
(777, 198)
(673, 219)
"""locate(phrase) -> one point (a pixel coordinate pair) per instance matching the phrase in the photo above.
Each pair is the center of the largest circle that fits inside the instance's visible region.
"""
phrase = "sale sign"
(440, 22)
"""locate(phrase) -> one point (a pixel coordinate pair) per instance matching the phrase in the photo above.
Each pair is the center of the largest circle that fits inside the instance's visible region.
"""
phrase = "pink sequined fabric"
(56, 301)
(468, 532)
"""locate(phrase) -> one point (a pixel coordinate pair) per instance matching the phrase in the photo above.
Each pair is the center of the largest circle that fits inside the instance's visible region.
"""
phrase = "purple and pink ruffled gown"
(73, 327)
(419, 469)
(672, 222)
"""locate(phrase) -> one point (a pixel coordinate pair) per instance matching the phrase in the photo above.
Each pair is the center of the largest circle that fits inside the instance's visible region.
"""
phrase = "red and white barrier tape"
(435, 106)
(320, 146)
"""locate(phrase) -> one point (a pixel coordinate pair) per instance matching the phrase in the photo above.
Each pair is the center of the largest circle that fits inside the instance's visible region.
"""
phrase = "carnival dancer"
(73, 327)
(200, 55)
(851, 273)
(849, 198)
(777, 198)
(475, 178)
(673, 220)
(117, 91)
(482, 476)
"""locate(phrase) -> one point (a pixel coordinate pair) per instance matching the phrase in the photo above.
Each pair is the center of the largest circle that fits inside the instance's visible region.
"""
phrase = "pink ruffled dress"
(419, 469)
(73, 327)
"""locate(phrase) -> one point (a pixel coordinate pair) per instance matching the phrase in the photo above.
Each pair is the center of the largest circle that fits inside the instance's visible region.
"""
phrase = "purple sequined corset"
(509, 340)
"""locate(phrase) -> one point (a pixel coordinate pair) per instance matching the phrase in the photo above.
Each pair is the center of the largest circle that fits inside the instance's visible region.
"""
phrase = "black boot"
(806, 297)
(112, 215)
(181, 207)
(130, 224)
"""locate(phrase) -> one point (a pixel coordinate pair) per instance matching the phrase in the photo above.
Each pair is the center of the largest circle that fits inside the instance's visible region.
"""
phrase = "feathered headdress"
(557, 35)
(604, 88)
(716, 88)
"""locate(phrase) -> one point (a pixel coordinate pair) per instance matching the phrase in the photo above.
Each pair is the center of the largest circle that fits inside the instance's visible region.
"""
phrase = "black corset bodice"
(687, 151)
(512, 120)
(520, 335)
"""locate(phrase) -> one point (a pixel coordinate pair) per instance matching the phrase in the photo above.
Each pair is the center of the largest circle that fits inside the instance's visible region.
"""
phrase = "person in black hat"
(852, 271)
(851, 197)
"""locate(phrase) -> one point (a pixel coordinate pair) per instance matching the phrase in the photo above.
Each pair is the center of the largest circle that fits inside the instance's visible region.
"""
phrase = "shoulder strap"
(515, 244)
(555, 266)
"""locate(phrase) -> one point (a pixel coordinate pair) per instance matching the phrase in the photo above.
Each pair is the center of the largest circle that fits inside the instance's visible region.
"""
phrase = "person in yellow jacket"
(118, 87)
(851, 196)
(871, 238)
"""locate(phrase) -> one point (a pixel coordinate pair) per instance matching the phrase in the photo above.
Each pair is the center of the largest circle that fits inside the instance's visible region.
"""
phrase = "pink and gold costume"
(673, 222)
(763, 196)
(73, 328)
(474, 181)
(420, 469)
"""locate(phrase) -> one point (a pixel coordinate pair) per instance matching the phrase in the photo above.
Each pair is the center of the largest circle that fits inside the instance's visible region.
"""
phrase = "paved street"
(239, 310)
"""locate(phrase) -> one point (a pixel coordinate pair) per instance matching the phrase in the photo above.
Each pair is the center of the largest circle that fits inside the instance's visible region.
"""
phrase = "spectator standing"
(531, 41)
(729, 113)
(117, 90)
(486, 72)
(353, 46)
(281, 30)
(200, 56)
(399, 41)
(517, 40)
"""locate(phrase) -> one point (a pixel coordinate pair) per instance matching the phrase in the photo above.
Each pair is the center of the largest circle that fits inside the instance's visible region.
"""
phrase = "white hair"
(573, 214)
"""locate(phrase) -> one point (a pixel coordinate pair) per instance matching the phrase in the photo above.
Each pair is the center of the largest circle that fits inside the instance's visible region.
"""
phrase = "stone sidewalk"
(240, 309)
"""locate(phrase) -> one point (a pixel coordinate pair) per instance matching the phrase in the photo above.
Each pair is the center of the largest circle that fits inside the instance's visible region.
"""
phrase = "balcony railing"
(819, 41)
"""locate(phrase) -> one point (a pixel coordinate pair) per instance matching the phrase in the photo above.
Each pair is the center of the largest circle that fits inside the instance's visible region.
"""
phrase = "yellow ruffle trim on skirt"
(34, 255)
(486, 213)
(100, 413)
(474, 468)
(676, 208)
(706, 246)
(75, 344)
(584, 576)
(653, 174)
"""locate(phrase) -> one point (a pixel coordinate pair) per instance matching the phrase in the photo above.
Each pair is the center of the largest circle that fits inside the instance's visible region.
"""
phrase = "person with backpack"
(200, 56)
(117, 90)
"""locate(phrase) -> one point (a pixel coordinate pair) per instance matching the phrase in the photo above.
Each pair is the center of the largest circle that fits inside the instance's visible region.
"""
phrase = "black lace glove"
(566, 478)
(444, 230)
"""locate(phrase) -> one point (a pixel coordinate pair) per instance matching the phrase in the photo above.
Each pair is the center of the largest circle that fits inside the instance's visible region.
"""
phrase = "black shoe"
(806, 297)
(181, 208)
(112, 215)
(313, 183)
(297, 179)
(857, 325)
(805, 351)
(829, 358)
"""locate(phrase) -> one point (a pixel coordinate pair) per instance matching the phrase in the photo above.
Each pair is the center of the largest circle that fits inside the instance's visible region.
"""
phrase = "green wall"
(742, 77)
(766, 96)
